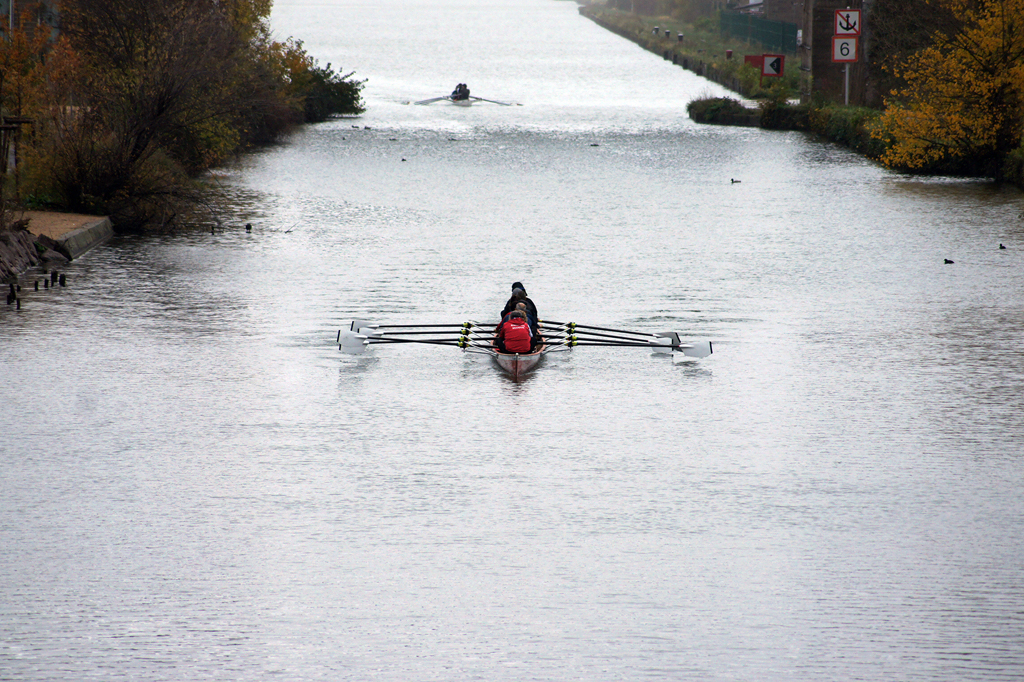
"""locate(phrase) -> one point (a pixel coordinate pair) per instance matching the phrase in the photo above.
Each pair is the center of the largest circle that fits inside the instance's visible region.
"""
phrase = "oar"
(433, 99)
(611, 342)
(470, 323)
(573, 325)
(465, 331)
(461, 343)
(661, 344)
(494, 101)
(410, 332)
(599, 336)
(698, 349)
(360, 325)
(415, 326)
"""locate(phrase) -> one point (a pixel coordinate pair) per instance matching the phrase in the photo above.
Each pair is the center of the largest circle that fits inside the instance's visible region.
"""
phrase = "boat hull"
(519, 364)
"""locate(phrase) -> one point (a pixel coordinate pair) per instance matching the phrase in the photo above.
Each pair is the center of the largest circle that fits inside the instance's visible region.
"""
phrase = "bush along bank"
(850, 126)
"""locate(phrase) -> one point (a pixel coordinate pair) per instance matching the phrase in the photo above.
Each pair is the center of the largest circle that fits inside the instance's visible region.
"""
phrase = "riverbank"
(698, 48)
(38, 237)
(708, 57)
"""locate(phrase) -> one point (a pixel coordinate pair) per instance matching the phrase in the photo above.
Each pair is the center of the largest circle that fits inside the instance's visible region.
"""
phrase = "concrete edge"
(80, 240)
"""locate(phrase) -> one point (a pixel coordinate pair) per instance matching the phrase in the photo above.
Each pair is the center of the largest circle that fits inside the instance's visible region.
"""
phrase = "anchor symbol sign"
(847, 22)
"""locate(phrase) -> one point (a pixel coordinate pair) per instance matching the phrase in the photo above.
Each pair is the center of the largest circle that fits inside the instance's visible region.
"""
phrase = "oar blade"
(696, 349)
(352, 343)
(361, 324)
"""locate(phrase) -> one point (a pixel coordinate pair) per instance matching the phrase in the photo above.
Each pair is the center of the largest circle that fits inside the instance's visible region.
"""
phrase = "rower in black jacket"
(519, 295)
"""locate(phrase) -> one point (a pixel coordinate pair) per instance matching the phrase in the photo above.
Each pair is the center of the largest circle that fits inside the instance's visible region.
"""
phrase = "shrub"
(716, 109)
(1013, 167)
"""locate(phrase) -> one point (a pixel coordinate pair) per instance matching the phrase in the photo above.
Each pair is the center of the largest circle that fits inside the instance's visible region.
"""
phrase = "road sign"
(844, 48)
(773, 64)
(847, 22)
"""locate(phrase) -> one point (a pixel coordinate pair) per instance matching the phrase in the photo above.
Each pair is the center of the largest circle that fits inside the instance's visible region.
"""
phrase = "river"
(196, 485)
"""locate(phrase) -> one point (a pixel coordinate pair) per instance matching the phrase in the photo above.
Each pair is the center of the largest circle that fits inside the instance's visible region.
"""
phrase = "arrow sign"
(773, 64)
(847, 22)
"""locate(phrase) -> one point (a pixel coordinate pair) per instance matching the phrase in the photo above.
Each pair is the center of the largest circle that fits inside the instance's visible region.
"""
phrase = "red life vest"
(516, 333)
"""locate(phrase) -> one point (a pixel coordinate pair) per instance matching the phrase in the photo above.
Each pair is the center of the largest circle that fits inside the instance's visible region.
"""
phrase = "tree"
(140, 96)
(321, 91)
(21, 81)
(962, 107)
(899, 28)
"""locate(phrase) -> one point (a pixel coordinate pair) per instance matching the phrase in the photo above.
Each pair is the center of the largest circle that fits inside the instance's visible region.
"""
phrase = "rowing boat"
(477, 337)
(518, 364)
(465, 102)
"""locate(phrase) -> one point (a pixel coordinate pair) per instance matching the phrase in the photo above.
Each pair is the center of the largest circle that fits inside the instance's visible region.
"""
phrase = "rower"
(535, 338)
(519, 295)
(514, 335)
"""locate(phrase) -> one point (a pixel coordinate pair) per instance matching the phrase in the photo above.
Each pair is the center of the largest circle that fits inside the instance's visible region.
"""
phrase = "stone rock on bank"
(17, 253)
(45, 236)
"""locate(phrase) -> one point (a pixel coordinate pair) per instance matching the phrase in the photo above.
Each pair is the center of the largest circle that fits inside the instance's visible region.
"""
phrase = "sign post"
(844, 43)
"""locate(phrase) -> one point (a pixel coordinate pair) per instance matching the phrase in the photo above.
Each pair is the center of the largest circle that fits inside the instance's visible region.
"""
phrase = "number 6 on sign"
(844, 49)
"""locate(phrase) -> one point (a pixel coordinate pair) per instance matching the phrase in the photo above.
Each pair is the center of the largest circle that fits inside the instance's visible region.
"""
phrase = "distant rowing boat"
(468, 101)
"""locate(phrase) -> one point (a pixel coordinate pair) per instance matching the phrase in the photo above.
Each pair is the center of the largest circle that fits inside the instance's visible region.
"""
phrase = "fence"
(778, 36)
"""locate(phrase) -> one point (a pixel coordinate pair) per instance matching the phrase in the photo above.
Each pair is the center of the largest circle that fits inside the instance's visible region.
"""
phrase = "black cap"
(518, 285)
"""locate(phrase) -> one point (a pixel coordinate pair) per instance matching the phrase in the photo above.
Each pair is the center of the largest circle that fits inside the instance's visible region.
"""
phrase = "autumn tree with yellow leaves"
(961, 108)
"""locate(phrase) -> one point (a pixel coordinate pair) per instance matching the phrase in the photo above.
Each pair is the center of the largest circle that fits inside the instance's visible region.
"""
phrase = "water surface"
(197, 485)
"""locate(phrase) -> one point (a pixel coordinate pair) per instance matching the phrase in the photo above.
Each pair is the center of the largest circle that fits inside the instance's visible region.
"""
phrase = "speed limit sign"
(844, 48)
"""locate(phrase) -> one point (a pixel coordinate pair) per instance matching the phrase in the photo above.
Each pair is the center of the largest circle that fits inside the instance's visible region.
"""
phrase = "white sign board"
(844, 49)
(772, 64)
(847, 22)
